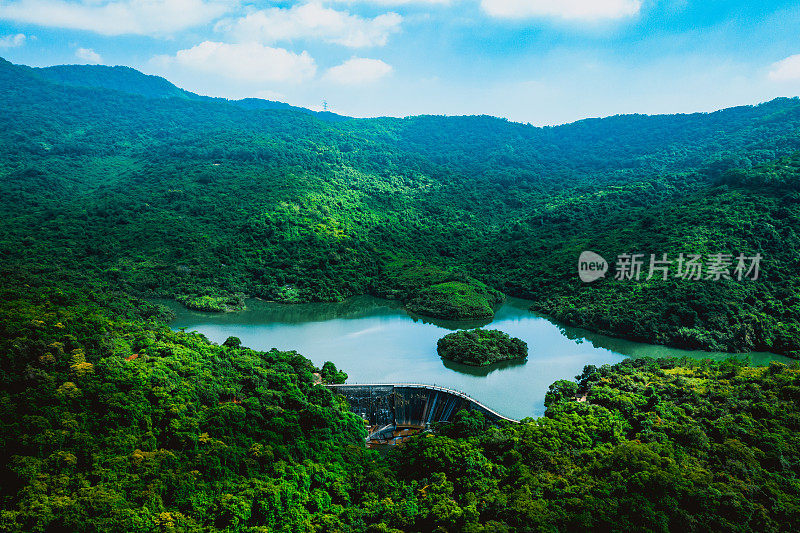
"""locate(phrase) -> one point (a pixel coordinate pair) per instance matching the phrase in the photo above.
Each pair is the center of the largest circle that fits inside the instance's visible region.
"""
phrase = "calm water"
(376, 341)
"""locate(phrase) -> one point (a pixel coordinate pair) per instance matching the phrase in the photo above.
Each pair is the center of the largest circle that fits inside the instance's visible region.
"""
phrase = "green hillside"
(123, 79)
(110, 421)
(177, 197)
(131, 81)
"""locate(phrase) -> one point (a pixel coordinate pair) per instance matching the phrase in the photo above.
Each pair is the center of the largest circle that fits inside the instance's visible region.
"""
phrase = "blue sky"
(537, 61)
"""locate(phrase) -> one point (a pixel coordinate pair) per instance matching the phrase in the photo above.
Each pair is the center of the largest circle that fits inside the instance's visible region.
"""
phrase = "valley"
(185, 278)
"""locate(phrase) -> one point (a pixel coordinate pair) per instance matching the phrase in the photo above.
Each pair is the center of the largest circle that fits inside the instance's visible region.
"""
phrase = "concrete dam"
(395, 411)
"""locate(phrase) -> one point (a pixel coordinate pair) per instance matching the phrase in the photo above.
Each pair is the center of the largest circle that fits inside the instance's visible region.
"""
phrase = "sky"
(542, 62)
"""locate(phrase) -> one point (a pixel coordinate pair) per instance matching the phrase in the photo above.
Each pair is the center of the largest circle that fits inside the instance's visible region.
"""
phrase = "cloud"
(12, 41)
(247, 62)
(786, 69)
(139, 17)
(89, 56)
(313, 21)
(358, 70)
(586, 10)
(401, 2)
(274, 96)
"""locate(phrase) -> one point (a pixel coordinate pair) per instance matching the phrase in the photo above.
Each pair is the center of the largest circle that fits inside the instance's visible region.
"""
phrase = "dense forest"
(179, 197)
(113, 422)
(118, 187)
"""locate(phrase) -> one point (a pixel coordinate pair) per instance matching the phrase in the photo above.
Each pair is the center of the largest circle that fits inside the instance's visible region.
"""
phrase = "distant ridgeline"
(131, 81)
(114, 175)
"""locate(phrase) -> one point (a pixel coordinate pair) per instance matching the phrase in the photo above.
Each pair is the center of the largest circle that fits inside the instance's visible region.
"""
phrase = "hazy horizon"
(318, 108)
(538, 61)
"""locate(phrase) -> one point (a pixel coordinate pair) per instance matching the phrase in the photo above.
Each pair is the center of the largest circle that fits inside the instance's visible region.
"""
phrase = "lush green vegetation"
(330, 374)
(213, 303)
(480, 347)
(113, 422)
(128, 80)
(433, 291)
(455, 300)
(162, 195)
(660, 445)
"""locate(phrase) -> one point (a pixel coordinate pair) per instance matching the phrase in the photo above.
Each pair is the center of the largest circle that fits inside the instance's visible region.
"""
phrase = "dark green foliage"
(213, 303)
(437, 292)
(232, 342)
(330, 374)
(480, 347)
(455, 300)
(661, 445)
(178, 196)
(111, 422)
(464, 424)
(117, 78)
(128, 80)
(559, 391)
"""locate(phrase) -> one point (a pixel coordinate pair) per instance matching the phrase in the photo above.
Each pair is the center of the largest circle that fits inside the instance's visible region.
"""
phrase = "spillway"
(389, 407)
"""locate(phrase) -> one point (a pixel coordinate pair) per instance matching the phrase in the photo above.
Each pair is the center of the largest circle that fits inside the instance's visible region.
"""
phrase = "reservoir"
(377, 341)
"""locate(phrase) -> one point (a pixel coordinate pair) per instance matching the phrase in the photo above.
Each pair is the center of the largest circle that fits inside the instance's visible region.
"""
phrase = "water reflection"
(376, 341)
(263, 311)
(635, 349)
(482, 370)
(451, 324)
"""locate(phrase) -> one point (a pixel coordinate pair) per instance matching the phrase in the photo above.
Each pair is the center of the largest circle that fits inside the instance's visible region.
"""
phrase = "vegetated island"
(218, 304)
(481, 347)
(436, 292)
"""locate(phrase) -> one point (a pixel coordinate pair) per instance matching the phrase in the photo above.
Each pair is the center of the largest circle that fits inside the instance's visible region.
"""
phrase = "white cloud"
(106, 17)
(313, 21)
(401, 2)
(88, 56)
(266, 94)
(786, 69)
(12, 41)
(247, 62)
(562, 9)
(358, 70)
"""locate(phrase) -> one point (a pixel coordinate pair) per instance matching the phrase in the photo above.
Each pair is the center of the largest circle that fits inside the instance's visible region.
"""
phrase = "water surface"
(376, 341)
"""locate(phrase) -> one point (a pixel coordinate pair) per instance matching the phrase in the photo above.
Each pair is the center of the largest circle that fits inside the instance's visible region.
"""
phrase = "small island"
(216, 304)
(481, 347)
(432, 291)
(455, 300)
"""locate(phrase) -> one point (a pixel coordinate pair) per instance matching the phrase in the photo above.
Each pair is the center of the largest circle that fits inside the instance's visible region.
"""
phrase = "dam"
(397, 410)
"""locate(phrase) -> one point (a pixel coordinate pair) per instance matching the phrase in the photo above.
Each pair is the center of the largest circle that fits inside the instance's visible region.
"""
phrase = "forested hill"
(128, 80)
(124, 79)
(110, 421)
(195, 197)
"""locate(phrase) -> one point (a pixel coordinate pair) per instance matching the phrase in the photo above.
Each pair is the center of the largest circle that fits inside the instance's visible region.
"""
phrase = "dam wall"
(397, 405)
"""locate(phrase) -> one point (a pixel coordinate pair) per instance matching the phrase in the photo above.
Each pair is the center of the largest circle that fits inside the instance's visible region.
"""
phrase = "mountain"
(198, 197)
(128, 80)
(123, 79)
(110, 421)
